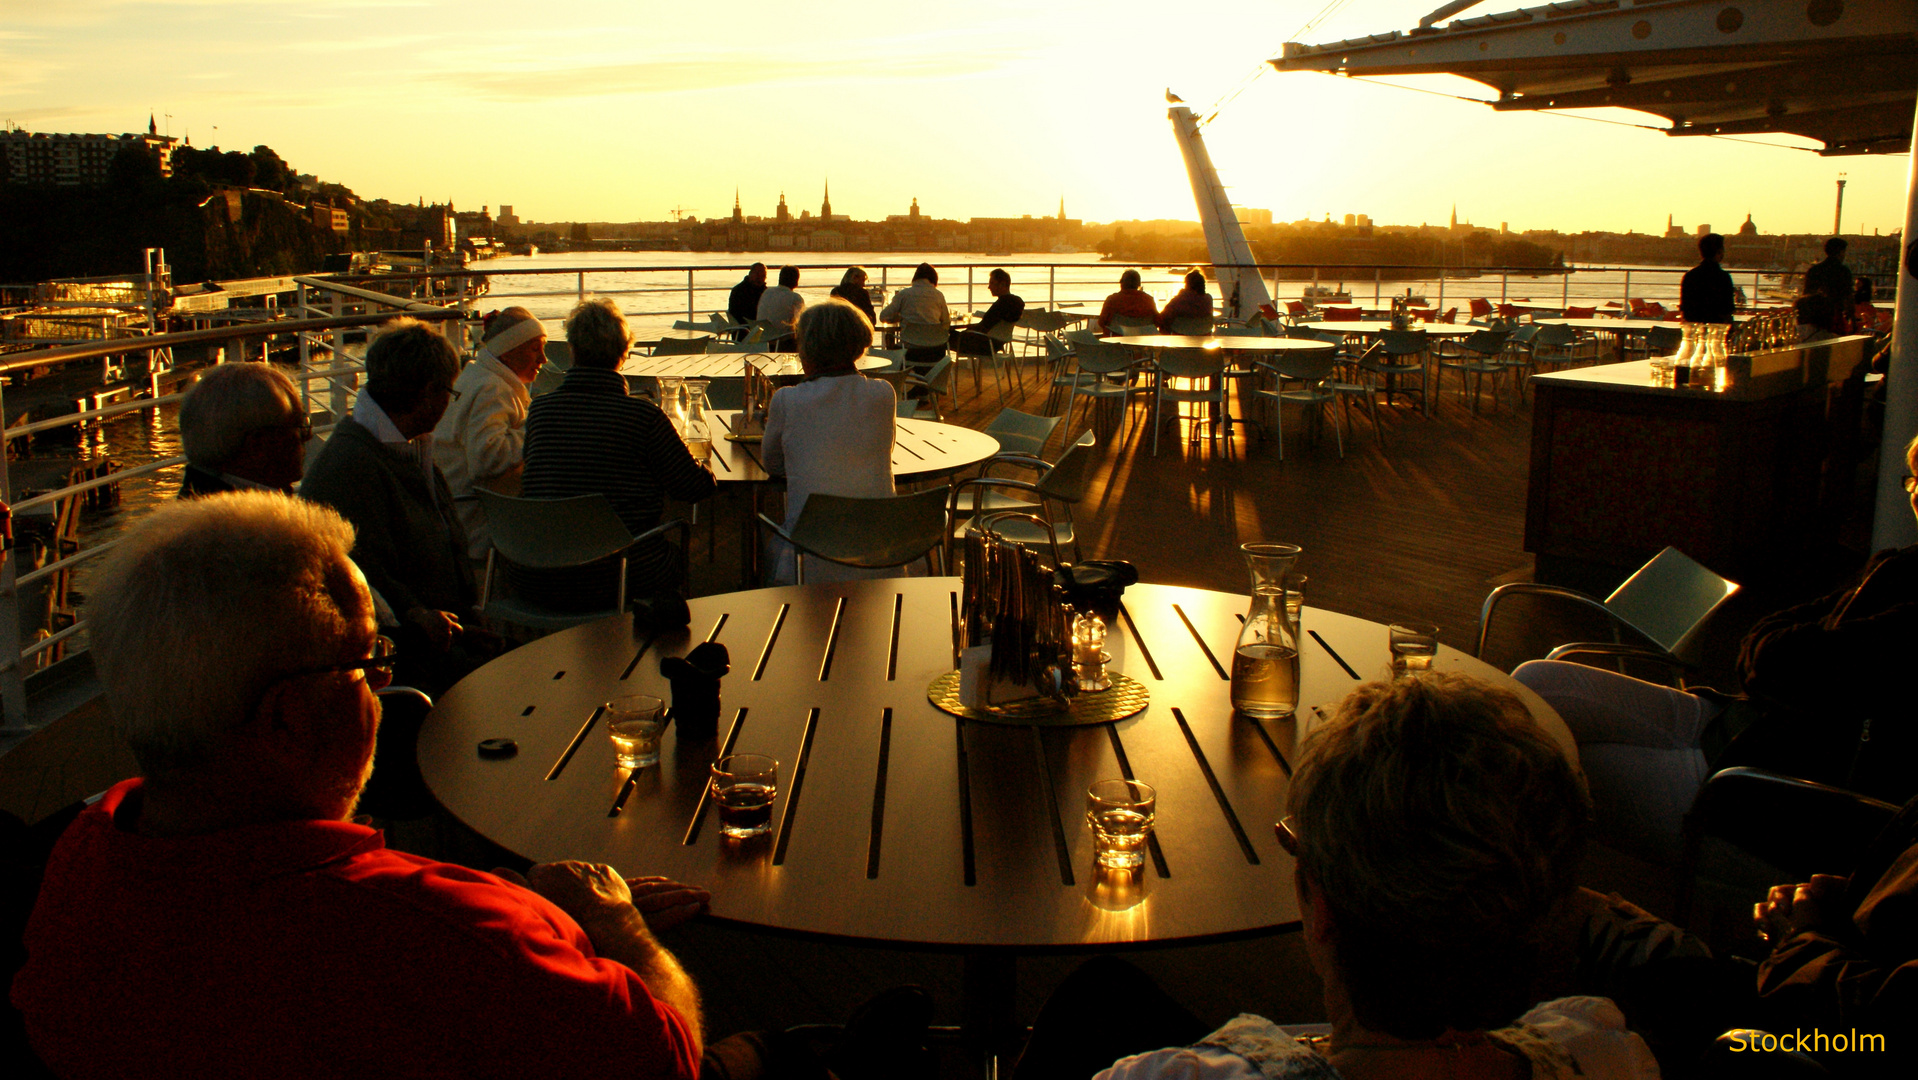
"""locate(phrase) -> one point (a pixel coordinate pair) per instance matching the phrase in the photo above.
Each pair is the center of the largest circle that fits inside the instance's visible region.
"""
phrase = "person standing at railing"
(242, 427)
(1705, 293)
(478, 442)
(377, 470)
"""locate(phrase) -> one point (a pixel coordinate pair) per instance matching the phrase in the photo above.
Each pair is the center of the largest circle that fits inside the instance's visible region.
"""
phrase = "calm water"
(654, 299)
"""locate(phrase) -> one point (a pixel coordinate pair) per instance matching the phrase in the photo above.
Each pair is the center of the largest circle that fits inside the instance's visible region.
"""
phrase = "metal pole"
(582, 286)
(1565, 296)
(1052, 286)
(336, 402)
(1378, 284)
(968, 290)
(1627, 299)
(1892, 525)
(1838, 212)
(13, 676)
(1504, 282)
(1440, 305)
(689, 294)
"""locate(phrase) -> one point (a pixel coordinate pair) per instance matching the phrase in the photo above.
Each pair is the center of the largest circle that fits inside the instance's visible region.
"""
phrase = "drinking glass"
(1120, 813)
(1413, 647)
(743, 787)
(1295, 600)
(634, 723)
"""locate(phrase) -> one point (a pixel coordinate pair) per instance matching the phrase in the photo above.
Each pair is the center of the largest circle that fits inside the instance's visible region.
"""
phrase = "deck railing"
(320, 317)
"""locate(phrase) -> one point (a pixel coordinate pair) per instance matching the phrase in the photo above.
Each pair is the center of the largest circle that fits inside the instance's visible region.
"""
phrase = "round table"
(1620, 329)
(1379, 326)
(726, 365)
(1229, 343)
(895, 822)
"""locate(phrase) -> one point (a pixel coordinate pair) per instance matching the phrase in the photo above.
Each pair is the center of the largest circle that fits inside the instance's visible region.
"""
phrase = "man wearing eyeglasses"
(223, 915)
(242, 427)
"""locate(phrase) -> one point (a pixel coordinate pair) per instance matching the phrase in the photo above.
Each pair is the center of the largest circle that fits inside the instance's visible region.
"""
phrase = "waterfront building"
(70, 160)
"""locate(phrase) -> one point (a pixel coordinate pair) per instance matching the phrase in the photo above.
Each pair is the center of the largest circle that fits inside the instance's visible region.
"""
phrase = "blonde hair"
(205, 604)
(1440, 825)
(598, 333)
(832, 336)
(230, 402)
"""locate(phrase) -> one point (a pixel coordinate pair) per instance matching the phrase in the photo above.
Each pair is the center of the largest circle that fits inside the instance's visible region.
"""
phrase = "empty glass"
(1120, 813)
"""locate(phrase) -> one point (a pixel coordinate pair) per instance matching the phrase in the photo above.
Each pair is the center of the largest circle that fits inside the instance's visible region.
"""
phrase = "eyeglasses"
(378, 668)
(1288, 835)
(452, 394)
(1911, 483)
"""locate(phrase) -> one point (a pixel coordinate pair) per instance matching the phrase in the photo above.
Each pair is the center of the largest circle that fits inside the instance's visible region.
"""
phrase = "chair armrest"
(1017, 458)
(768, 523)
(1800, 826)
(952, 501)
(1529, 588)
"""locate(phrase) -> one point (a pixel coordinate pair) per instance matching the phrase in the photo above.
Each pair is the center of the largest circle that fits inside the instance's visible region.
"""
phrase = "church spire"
(1062, 206)
(739, 216)
(152, 128)
(825, 205)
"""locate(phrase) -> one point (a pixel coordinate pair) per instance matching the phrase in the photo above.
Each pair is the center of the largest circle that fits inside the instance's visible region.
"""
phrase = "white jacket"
(480, 440)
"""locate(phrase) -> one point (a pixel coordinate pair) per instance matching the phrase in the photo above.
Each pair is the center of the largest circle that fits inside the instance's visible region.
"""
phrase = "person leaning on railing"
(479, 440)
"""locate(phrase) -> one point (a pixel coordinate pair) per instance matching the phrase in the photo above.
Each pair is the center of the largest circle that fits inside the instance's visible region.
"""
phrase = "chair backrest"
(559, 354)
(923, 335)
(553, 534)
(1581, 312)
(1021, 433)
(1192, 363)
(1068, 480)
(890, 530)
(767, 330)
(1451, 315)
(1524, 334)
(1125, 327)
(1082, 335)
(1664, 339)
(1486, 342)
(681, 346)
(720, 323)
(1195, 325)
(1403, 342)
(1554, 335)
(547, 380)
(1669, 598)
(1309, 367)
(1000, 332)
(1339, 314)
(1481, 307)
(1101, 357)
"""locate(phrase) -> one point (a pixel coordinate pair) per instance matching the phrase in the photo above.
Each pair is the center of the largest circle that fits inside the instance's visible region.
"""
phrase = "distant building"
(331, 217)
(783, 215)
(1702, 230)
(1748, 229)
(507, 219)
(1252, 216)
(1673, 232)
(37, 157)
(1351, 220)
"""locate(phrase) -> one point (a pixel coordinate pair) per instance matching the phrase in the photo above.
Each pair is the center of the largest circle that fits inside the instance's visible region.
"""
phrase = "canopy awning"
(1841, 72)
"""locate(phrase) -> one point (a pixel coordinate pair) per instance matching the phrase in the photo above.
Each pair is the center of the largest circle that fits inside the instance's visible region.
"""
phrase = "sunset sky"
(621, 110)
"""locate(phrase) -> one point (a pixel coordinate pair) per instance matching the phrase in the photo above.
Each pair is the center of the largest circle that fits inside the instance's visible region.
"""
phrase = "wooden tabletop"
(1379, 326)
(723, 365)
(1613, 326)
(895, 822)
(1232, 343)
(920, 448)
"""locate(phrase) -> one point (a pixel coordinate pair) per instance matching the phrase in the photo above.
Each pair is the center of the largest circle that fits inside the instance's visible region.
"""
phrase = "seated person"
(852, 289)
(589, 436)
(377, 470)
(1816, 676)
(223, 915)
(832, 433)
(1436, 828)
(1130, 302)
(920, 303)
(477, 443)
(742, 304)
(1005, 311)
(242, 427)
(1844, 953)
(1190, 302)
(780, 306)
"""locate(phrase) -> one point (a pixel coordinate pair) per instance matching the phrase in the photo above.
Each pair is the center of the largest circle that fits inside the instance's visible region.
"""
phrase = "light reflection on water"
(130, 439)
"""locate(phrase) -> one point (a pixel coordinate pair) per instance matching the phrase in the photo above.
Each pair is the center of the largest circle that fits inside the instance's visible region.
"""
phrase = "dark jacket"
(408, 542)
(743, 304)
(1705, 294)
(859, 298)
(197, 482)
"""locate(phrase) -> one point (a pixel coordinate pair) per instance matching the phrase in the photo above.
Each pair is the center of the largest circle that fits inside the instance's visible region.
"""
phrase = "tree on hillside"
(580, 232)
(133, 168)
(269, 171)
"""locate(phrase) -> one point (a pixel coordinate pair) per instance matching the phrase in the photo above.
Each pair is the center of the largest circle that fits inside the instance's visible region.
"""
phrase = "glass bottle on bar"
(1265, 662)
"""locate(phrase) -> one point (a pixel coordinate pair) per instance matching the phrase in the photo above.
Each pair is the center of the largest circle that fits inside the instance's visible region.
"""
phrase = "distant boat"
(1323, 295)
(1064, 249)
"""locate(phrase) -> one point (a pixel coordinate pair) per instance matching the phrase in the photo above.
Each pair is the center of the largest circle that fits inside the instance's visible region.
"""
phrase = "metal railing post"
(336, 403)
(1504, 283)
(13, 676)
(1439, 306)
(689, 295)
(1378, 285)
(1565, 295)
(968, 290)
(582, 286)
(1052, 287)
(1627, 298)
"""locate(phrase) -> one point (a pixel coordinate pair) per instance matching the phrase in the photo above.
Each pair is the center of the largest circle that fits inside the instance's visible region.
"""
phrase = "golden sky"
(624, 109)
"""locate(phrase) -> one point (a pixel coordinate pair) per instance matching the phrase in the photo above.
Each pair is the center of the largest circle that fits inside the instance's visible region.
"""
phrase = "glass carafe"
(672, 400)
(698, 431)
(1265, 662)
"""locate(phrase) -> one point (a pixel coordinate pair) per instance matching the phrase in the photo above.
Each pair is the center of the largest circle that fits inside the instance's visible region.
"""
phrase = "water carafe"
(1265, 662)
(697, 431)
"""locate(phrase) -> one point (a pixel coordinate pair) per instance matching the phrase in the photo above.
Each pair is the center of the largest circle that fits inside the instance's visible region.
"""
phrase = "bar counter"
(1744, 474)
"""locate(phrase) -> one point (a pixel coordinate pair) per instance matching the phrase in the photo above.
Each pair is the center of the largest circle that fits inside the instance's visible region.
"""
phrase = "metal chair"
(1476, 355)
(1103, 372)
(1023, 518)
(681, 346)
(1560, 346)
(559, 354)
(1191, 326)
(926, 407)
(1126, 326)
(871, 534)
(557, 534)
(1193, 365)
(1665, 602)
(1314, 371)
(1400, 352)
(1022, 433)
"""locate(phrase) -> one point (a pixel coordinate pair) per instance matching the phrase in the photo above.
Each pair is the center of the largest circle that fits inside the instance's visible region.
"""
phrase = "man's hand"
(440, 627)
(592, 893)
(1793, 909)
(666, 903)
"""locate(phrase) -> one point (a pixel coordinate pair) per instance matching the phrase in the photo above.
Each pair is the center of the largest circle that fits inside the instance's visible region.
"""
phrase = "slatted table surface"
(895, 822)
(725, 365)
(921, 448)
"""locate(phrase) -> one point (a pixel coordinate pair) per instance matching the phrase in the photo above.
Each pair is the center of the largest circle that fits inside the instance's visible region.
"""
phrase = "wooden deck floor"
(1421, 527)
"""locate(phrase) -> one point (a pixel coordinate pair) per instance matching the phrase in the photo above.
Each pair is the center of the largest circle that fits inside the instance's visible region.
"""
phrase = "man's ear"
(1312, 907)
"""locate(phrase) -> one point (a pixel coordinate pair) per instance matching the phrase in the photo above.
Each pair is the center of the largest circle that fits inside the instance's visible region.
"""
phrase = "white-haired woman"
(478, 442)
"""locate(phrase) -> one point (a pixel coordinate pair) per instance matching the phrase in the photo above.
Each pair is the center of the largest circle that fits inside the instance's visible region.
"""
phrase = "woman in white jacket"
(479, 442)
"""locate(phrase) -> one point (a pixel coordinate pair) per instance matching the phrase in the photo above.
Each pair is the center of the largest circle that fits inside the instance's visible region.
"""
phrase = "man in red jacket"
(223, 915)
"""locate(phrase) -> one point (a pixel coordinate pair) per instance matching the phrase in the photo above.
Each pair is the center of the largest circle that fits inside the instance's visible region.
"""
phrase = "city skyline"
(618, 112)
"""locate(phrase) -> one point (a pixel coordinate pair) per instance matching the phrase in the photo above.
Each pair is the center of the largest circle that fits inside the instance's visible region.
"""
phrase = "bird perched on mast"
(1172, 98)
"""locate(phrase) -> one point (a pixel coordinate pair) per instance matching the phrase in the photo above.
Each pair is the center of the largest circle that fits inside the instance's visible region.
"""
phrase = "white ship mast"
(1241, 290)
